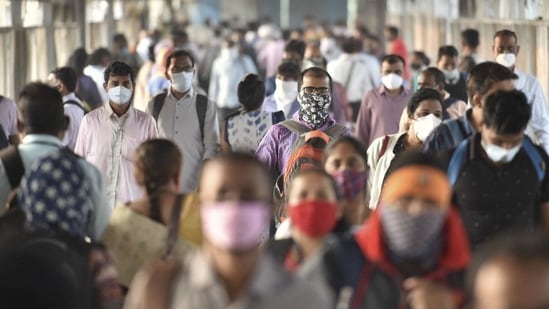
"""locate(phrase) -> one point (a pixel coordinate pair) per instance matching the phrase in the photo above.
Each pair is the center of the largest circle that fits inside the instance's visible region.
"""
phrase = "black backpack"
(46, 271)
(73, 102)
(201, 108)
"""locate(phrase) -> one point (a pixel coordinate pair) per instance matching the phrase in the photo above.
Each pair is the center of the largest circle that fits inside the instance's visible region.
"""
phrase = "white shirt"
(539, 123)
(35, 146)
(109, 142)
(354, 74)
(75, 115)
(96, 73)
(8, 116)
(178, 121)
(379, 165)
(226, 74)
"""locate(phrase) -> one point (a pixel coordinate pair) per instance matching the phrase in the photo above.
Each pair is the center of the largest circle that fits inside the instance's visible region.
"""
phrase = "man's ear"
(477, 101)
(105, 86)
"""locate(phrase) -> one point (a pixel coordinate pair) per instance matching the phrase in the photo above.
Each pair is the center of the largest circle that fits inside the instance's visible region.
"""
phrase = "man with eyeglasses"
(381, 107)
(505, 51)
(186, 117)
(315, 98)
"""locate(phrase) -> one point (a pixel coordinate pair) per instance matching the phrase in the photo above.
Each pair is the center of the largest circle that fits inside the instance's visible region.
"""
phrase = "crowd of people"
(271, 168)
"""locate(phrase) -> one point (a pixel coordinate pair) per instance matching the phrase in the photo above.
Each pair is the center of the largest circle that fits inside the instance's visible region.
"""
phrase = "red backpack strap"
(383, 147)
(362, 286)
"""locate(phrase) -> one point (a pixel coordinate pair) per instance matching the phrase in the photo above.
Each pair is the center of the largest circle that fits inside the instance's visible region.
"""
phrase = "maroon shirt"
(380, 114)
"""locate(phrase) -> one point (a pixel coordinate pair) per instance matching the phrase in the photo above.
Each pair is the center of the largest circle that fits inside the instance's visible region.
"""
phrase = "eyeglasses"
(314, 90)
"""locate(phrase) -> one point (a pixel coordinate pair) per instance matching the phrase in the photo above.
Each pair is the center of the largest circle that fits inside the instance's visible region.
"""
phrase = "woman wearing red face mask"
(346, 160)
(313, 212)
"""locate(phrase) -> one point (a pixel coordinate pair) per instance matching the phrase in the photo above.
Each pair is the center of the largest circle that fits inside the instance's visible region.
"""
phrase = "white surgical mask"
(423, 126)
(506, 59)
(392, 81)
(120, 95)
(499, 154)
(285, 90)
(285, 94)
(182, 81)
(451, 74)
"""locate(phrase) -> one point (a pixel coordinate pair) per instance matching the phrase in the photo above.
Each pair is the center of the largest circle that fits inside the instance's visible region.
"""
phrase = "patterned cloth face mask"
(314, 108)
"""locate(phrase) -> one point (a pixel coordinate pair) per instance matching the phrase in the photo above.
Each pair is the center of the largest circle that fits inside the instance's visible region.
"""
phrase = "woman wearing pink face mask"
(230, 270)
(345, 159)
(313, 214)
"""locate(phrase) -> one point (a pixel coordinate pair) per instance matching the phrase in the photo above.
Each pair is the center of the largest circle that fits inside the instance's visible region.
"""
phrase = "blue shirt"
(449, 134)
(270, 106)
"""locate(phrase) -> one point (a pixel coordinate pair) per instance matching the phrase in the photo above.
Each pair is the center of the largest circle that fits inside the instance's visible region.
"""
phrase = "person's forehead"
(182, 60)
(119, 78)
(386, 65)
(517, 284)
(220, 172)
(426, 78)
(310, 80)
(504, 40)
(447, 58)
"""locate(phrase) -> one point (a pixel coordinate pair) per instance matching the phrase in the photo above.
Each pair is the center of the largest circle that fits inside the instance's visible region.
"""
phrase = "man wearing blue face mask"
(109, 135)
(186, 117)
(505, 51)
(499, 175)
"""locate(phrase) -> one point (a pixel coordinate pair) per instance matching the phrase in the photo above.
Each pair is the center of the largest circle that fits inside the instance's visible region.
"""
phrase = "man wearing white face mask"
(285, 95)
(424, 114)
(499, 175)
(505, 51)
(380, 109)
(109, 135)
(227, 71)
(448, 63)
(186, 117)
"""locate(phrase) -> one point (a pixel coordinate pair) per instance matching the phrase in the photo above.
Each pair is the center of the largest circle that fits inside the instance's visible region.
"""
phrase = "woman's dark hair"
(420, 96)
(158, 161)
(251, 92)
(355, 143)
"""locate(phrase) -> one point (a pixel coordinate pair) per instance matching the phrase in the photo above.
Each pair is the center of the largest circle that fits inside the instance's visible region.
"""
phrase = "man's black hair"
(119, 68)
(67, 76)
(508, 112)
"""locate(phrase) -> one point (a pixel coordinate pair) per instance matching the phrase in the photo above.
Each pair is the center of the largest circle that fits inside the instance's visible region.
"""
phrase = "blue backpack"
(457, 161)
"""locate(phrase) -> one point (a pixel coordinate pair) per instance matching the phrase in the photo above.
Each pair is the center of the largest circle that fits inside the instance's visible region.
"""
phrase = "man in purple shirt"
(314, 97)
(381, 108)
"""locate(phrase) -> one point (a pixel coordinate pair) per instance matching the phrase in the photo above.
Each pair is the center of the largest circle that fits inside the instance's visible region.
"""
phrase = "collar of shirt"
(521, 80)
(42, 138)
(71, 97)
(187, 95)
(264, 281)
(383, 91)
(108, 113)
